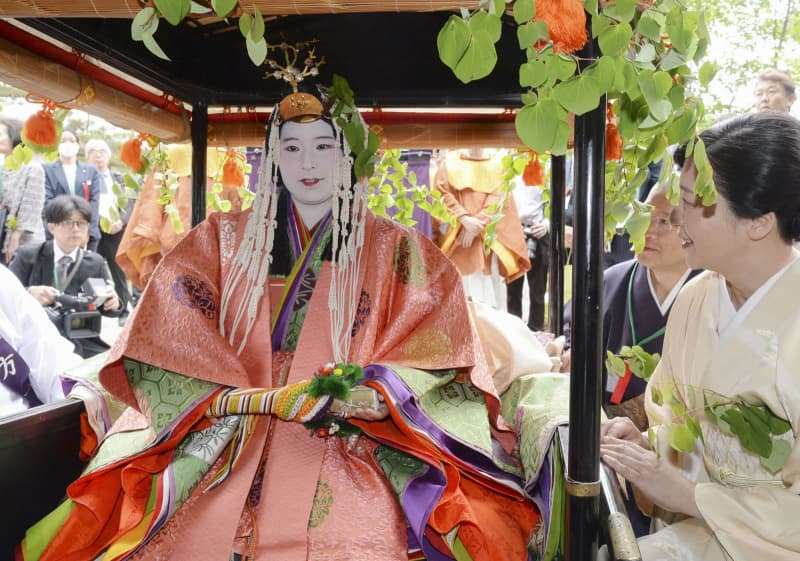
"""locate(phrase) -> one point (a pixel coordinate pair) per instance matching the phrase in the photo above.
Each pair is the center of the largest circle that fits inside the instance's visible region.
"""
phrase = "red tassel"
(39, 130)
(566, 22)
(131, 153)
(533, 173)
(232, 174)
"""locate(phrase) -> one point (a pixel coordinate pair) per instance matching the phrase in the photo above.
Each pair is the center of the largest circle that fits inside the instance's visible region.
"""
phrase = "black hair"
(60, 208)
(14, 128)
(74, 133)
(756, 162)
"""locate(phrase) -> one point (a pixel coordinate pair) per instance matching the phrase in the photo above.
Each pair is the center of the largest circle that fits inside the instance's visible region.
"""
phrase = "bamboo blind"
(129, 8)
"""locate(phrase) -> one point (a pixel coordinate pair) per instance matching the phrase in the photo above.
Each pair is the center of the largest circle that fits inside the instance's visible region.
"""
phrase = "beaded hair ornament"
(250, 270)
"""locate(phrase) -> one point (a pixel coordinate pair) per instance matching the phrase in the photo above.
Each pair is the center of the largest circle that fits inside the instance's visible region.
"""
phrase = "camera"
(76, 315)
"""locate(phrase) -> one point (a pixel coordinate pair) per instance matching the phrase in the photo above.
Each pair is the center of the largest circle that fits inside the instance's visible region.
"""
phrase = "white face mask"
(68, 149)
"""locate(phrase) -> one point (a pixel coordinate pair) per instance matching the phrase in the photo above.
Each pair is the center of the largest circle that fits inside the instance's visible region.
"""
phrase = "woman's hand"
(622, 428)
(472, 229)
(657, 479)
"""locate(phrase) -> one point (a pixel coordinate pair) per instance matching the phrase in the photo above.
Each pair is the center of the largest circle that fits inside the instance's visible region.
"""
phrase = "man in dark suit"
(61, 265)
(98, 154)
(68, 176)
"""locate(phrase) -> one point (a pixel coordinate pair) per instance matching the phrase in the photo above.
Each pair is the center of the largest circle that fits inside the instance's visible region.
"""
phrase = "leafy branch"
(648, 55)
(756, 426)
(393, 186)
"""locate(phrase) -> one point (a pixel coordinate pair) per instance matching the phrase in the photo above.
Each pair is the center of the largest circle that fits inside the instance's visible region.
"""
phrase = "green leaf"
(223, 7)
(257, 31)
(776, 460)
(649, 27)
(637, 226)
(524, 10)
(479, 60)
(704, 185)
(680, 437)
(578, 95)
(655, 86)
(256, 50)
(602, 70)
(529, 33)
(625, 77)
(682, 126)
(707, 73)
(654, 151)
(778, 425)
(600, 23)
(621, 10)
(497, 8)
(482, 21)
(373, 143)
(354, 134)
(144, 23)
(656, 396)
(199, 8)
(154, 47)
(532, 74)
(673, 59)
(173, 10)
(543, 126)
(680, 26)
(614, 40)
(245, 24)
(646, 54)
(694, 426)
(559, 67)
(453, 41)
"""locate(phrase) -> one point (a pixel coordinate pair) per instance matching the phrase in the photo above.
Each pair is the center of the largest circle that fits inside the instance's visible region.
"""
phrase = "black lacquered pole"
(555, 305)
(199, 144)
(583, 472)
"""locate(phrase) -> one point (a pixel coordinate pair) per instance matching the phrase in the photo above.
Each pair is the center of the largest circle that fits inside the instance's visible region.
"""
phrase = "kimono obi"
(729, 464)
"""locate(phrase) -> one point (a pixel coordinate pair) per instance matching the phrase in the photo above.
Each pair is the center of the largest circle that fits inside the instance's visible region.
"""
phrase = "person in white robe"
(732, 343)
(30, 343)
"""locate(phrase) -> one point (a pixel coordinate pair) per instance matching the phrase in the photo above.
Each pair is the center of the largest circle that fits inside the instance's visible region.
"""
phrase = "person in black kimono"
(637, 296)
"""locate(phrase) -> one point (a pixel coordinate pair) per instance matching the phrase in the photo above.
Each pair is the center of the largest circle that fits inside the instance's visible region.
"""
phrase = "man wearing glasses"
(63, 276)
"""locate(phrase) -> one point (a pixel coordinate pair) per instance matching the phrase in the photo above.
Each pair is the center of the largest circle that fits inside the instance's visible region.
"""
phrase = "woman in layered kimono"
(728, 372)
(305, 288)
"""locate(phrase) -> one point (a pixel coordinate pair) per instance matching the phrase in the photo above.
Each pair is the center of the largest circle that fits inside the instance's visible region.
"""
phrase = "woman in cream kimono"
(732, 343)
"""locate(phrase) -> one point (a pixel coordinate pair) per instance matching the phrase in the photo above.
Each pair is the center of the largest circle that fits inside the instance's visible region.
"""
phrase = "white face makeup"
(307, 155)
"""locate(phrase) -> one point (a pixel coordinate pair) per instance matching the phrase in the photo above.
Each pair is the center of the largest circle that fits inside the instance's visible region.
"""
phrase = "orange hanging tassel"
(40, 131)
(131, 153)
(533, 173)
(566, 22)
(232, 173)
(613, 138)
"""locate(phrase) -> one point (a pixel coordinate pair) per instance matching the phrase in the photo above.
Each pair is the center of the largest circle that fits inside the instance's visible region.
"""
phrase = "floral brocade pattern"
(431, 343)
(323, 501)
(193, 293)
(362, 312)
(408, 264)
